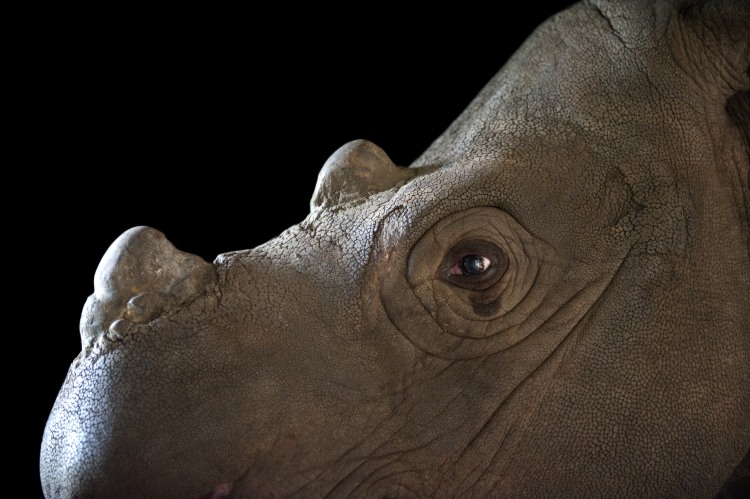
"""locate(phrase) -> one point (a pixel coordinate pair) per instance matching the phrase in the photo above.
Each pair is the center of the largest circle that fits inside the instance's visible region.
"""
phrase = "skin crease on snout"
(552, 301)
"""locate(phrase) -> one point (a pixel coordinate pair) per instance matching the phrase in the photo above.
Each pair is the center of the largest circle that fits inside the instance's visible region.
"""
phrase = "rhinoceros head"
(553, 300)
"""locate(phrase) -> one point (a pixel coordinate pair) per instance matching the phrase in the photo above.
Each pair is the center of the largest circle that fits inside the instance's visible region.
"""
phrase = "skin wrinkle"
(399, 454)
(738, 110)
(471, 317)
(366, 483)
(525, 319)
(376, 430)
(368, 460)
(393, 434)
(436, 337)
(346, 456)
(509, 274)
(508, 399)
(481, 322)
(395, 325)
(564, 345)
(712, 57)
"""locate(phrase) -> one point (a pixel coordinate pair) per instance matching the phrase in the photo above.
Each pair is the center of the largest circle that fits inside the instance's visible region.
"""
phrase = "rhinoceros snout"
(141, 276)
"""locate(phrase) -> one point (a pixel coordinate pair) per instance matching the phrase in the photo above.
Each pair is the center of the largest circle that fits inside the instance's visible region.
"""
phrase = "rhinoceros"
(552, 300)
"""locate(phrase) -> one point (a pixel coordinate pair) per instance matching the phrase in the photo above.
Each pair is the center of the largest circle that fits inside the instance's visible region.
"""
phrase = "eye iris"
(473, 264)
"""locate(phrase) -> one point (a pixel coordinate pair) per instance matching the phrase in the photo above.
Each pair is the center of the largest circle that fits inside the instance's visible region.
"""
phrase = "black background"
(182, 120)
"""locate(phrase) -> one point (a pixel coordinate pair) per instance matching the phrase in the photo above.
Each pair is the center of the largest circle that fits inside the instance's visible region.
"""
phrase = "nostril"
(139, 276)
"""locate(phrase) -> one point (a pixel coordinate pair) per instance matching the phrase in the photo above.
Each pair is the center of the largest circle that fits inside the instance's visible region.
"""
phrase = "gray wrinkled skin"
(603, 173)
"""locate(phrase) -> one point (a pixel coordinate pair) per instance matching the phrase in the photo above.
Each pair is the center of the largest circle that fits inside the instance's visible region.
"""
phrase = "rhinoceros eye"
(474, 264)
(471, 265)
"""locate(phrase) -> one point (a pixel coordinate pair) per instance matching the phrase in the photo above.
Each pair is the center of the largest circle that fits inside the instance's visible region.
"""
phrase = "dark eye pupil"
(473, 265)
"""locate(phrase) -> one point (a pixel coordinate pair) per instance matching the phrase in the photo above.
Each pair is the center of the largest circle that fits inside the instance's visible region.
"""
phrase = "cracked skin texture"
(603, 172)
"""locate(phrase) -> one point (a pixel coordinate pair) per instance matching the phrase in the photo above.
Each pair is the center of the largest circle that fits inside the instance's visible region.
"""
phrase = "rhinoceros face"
(552, 300)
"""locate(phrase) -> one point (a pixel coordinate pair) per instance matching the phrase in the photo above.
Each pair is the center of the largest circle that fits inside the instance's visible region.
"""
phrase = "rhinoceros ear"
(356, 170)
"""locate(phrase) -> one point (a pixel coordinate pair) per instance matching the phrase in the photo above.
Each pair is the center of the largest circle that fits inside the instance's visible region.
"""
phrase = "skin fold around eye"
(464, 302)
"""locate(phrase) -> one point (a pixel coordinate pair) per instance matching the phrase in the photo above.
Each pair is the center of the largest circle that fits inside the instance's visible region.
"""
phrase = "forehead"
(576, 132)
(573, 135)
(559, 189)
